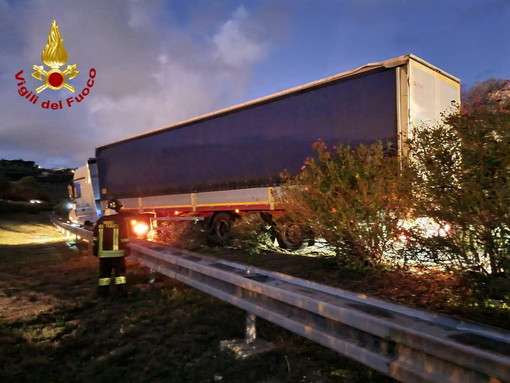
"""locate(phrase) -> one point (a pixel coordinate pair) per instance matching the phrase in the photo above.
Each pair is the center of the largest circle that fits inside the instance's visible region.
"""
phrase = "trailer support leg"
(250, 345)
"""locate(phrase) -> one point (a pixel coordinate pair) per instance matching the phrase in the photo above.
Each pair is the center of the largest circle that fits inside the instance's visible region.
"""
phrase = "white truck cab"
(86, 204)
(84, 192)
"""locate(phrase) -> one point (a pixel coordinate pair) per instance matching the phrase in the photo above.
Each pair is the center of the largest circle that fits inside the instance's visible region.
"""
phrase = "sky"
(152, 63)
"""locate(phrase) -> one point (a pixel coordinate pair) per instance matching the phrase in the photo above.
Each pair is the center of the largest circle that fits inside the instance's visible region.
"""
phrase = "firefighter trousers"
(112, 270)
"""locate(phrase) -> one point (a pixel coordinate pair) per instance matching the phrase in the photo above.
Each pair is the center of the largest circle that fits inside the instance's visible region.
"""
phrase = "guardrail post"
(251, 328)
(250, 345)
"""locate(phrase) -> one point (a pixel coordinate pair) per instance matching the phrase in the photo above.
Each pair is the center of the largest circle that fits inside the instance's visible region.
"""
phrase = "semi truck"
(222, 165)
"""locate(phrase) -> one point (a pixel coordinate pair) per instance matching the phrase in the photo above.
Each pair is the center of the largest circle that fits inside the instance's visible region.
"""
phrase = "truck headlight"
(140, 229)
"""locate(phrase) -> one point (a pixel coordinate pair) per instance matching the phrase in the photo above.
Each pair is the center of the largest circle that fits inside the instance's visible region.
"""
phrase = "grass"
(53, 329)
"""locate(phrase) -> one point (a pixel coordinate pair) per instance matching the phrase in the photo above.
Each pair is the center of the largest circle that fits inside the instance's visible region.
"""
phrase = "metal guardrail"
(72, 229)
(407, 344)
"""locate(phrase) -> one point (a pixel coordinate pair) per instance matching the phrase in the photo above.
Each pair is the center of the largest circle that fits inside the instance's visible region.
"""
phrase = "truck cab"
(86, 203)
(84, 193)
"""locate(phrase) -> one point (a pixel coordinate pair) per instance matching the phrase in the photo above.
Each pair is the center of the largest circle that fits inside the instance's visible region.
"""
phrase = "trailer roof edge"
(391, 63)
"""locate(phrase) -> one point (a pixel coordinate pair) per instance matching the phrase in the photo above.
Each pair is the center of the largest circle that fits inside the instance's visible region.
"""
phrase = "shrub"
(355, 199)
(187, 235)
(461, 171)
(253, 234)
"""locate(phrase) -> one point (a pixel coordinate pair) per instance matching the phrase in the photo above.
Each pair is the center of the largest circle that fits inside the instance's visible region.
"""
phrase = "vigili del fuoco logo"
(54, 56)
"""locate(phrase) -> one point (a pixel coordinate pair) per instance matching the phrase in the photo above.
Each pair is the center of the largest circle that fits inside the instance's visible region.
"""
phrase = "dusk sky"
(156, 63)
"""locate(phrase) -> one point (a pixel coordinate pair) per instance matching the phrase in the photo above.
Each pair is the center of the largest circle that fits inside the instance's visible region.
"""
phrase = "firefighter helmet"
(114, 204)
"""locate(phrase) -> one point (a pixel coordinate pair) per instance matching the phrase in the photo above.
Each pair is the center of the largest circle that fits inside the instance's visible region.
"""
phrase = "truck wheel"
(290, 236)
(220, 231)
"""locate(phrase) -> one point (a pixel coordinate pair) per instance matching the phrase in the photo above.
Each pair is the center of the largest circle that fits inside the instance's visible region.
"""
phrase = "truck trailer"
(224, 164)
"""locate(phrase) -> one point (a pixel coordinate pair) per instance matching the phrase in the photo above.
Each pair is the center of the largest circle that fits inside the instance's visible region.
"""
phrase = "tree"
(486, 94)
(461, 177)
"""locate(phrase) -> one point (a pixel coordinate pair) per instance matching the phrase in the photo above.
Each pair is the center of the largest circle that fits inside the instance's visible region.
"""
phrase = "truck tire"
(220, 230)
(291, 236)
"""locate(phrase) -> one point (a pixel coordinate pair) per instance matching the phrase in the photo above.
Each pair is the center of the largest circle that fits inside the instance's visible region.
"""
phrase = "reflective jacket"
(110, 236)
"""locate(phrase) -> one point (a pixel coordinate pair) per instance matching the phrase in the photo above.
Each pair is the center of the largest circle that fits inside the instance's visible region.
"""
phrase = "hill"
(24, 181)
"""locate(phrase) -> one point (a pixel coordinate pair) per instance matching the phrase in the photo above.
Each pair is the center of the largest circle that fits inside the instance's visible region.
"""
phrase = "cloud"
(152, 68)
(234, 43)
(182, 78)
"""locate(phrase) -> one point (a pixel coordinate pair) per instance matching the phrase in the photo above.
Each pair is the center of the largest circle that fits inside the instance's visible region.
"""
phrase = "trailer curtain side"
(252, 145)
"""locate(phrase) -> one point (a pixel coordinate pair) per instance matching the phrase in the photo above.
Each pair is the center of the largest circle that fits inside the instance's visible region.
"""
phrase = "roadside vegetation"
(461, 171)
(353, 198)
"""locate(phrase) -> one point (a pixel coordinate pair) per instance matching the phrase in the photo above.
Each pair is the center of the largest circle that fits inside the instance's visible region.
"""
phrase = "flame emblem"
(54, 55)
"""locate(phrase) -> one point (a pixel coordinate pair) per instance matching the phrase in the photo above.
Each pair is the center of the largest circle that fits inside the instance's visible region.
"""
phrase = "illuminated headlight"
(69, 205)
(140, 229)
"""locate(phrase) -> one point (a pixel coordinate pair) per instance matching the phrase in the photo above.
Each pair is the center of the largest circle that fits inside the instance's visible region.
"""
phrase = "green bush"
(188, 235)
(461, 176)
(253, 234)
(355, 199)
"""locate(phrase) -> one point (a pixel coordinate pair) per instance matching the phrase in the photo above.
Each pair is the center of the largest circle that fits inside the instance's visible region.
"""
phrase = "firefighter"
(110, 246)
